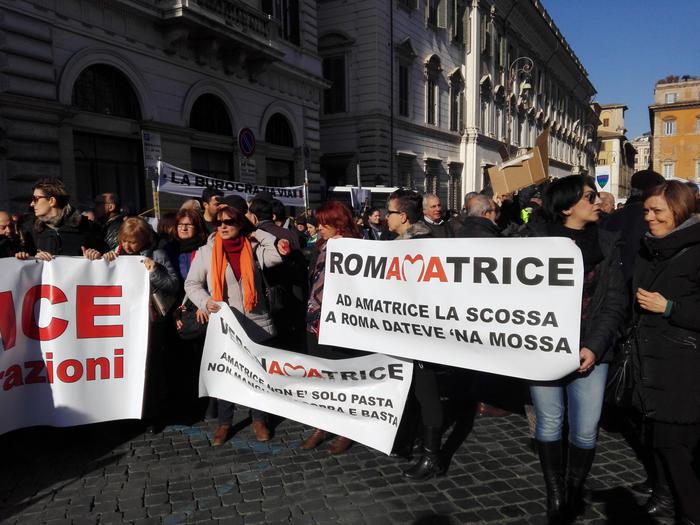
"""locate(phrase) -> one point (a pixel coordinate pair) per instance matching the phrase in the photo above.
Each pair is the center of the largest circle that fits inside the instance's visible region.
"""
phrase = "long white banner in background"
(506, 306)
(172, 179)
(74, 335)
(360, 398)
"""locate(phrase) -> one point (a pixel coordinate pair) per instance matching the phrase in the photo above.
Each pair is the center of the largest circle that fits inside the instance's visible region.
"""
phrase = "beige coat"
(198, 281)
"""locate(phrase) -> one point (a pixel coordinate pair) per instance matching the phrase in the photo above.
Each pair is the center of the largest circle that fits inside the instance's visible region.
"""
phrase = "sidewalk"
(113, 473)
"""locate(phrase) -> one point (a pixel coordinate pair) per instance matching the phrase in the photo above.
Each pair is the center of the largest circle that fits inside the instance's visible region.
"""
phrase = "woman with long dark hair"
(335, 220)
(571, 209)
(666, 353)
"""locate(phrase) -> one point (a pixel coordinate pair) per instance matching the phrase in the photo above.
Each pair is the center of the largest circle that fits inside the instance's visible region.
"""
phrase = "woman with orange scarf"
(229, 268)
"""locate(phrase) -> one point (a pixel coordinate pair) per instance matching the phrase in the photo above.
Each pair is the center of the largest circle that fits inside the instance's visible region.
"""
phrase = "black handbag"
(191, 327)
(620, 383)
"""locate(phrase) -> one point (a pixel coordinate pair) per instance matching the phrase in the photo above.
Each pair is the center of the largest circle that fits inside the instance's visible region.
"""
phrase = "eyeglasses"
(36, 198)
(225, 222)
(389, 212)
(185, 225)
(591, 197)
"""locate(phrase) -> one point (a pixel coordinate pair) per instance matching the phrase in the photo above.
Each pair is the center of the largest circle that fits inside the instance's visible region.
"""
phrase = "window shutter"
(467, 30)
(442, 14)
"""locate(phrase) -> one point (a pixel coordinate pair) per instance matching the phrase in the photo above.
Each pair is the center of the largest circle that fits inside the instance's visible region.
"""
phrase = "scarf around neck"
(239, 254)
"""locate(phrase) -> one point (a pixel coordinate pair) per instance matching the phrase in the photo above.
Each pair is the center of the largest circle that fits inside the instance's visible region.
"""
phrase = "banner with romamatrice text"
(172, 179)
(505, 306)
(361, 398)
(74, 335)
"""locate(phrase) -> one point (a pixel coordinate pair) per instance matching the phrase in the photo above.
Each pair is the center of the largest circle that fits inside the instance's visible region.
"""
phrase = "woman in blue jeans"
(570, 208)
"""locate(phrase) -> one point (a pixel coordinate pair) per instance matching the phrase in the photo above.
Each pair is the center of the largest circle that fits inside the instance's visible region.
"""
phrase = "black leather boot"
(550, 460)
(579, 465)
(429, 464)
(660, 503)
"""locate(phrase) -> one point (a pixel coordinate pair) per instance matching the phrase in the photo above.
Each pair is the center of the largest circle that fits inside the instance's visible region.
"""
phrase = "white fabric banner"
(506, 306)
(172, 179)
(360, 398)
(74, 335)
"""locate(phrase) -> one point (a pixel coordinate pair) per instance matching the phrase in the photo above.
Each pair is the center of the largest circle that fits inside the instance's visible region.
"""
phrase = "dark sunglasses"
(228, 222)
(591, 197)
(37, 198)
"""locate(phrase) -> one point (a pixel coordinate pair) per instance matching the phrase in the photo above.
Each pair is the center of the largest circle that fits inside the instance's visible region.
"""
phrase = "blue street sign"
(246, 142)
(602, 179)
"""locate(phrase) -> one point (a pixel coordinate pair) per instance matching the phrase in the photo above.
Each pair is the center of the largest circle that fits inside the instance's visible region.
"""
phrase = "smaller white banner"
(360, 398)
(172, 179)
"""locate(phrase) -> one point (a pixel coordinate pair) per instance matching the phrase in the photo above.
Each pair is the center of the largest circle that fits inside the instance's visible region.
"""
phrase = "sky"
(627, 45)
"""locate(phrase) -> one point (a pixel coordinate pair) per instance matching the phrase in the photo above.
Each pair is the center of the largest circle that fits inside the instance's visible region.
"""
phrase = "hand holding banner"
(505, 306)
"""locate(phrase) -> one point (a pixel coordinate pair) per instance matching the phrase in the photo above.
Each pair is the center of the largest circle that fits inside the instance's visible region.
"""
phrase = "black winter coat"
(478, 227)
(74, 232)
(667, 351)
(606, 312)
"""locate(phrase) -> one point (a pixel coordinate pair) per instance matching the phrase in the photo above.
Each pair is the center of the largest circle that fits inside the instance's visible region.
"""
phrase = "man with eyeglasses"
(108, 216)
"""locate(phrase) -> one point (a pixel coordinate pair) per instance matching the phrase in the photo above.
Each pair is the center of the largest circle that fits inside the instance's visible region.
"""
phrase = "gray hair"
(469, 196)
(478, 205)
(427, 197)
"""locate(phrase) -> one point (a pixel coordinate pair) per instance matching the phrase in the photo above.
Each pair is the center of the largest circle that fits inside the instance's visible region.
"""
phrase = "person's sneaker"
(261, 431)
(221, 435)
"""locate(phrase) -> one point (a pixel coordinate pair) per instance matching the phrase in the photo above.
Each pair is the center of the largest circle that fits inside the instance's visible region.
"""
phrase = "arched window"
(101, 88)
(210, 115)
(433, 69)
(278, 132)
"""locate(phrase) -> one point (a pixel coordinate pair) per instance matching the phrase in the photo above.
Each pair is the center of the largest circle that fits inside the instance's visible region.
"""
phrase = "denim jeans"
(584, 394)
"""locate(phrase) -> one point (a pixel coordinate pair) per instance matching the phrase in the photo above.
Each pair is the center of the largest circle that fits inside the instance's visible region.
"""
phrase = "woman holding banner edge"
(571, 210)
(229, 268)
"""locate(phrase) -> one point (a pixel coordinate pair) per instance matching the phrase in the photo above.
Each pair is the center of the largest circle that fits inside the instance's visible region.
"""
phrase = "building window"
(279, 171)
(433, 167)
(456, 101)
(670, 98)
(484, 116)
(209, 114)
(500, 126)
(405, 165)
(278, 131)
(404, 83)
(697, 125)
(408, 4)
(454, 188)
(212, 163)
(668, 170)
(697, 169)
(287, 13)
(437, 13)
(669, 127)
(433, 69)
(334, 96)
(104, 89)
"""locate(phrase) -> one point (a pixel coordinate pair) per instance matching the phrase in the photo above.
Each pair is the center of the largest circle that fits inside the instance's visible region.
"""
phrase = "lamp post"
(520, 67)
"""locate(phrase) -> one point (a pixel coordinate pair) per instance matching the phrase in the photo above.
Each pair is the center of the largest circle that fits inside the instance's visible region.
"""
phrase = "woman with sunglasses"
(335, 220)
(570, 208)
(229, 268)
(59, 229)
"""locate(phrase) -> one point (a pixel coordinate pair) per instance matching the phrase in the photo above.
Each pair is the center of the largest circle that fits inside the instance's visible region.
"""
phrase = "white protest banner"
(506, 306)
(172, 179)
(74, 335)
(360, 398)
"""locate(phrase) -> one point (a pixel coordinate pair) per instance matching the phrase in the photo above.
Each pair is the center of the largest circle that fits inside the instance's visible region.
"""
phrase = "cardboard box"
(522, 171)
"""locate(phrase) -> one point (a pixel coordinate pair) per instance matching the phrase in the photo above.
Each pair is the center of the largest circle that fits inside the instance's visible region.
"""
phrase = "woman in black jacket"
(667, 354)
(570, 208)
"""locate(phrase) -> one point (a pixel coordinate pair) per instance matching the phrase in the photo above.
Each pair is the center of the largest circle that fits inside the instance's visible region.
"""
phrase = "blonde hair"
(138, 228)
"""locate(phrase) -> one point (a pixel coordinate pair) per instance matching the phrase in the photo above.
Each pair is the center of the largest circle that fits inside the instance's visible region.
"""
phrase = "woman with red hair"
(335, 220)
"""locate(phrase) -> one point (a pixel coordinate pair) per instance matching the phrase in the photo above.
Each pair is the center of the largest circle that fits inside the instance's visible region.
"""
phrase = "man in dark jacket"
(9, 240)
(432, 217)
(210, 205)
(480, 220)
(108, 215)
(630, 219)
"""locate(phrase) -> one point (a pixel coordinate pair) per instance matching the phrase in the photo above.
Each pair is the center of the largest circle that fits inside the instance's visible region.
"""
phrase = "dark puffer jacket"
(606, 311)
(667, 353)
(74, 232)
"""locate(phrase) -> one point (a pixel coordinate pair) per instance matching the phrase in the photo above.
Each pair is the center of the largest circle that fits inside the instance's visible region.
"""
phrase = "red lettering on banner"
(275, 368)
(394, 271)
(29, 323)
(118, 363)
(13, 377)
(62, 370)
(435, 269)
(35, 369)
(8, 329)
(49, 366)
(87, 310)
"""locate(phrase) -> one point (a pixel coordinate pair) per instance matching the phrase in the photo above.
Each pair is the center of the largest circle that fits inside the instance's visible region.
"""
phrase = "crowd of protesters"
(641, 285)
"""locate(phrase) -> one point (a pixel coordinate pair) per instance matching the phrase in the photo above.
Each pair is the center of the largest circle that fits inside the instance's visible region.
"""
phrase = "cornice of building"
(675, 105)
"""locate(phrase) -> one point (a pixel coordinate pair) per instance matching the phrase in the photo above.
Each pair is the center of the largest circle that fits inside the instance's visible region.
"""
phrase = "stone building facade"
(642, 144)
(81, 80)
(675, 127)
(424, 93)
(614, 151)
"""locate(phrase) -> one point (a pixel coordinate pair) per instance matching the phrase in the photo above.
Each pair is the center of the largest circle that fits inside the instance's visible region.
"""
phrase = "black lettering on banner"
(336, 260)
(185, 181)
(330, 318)
(521, 271)
(374, 268)
(556, 271)
(353, 258)
(199, 181)
(457, 263)
(485, 266)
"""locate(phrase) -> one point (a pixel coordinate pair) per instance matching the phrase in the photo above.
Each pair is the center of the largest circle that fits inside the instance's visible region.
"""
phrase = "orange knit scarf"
(218, 273)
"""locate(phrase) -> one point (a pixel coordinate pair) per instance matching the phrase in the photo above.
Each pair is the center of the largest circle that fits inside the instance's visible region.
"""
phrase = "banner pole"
(306, 192)
(156, 193)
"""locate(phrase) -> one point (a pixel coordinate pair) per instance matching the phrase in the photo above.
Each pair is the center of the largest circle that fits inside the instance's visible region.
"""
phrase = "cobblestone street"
(114, 473)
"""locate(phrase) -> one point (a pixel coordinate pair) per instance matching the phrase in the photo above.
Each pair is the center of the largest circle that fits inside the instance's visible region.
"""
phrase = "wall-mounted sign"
(246, 142)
